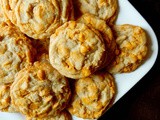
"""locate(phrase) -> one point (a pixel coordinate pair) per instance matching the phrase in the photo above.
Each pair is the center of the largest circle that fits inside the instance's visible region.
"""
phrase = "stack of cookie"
(57, 57)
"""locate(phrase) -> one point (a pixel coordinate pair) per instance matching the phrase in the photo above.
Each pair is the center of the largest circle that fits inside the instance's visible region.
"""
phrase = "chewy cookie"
(38, 19)
(104, 9)
(64, 115)
(92, 95)
(132, 42)
(16, 52)
(105, 31)
(1, 15)
(5, 99)
(40, 91)
(76, 50)
(3, 18)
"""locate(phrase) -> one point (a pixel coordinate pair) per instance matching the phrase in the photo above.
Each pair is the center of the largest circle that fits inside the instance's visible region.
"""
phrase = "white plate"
(127, 15)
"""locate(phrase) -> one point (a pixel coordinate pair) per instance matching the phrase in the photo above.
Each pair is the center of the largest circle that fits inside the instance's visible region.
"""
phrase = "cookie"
(92, 95)
(76, 50)
(3, 18)
(64, 115)
(5, 99)
(132, 42)
(40, 91)
(105, 31)
(38, 19)
(16, 52)
(104, 9)
(1, 15)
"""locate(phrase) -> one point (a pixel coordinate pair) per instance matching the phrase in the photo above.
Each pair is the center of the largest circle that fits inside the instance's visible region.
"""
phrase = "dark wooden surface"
(142, 102)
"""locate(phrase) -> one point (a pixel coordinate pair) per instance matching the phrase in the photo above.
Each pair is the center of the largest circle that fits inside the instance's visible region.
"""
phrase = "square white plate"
(127, 15)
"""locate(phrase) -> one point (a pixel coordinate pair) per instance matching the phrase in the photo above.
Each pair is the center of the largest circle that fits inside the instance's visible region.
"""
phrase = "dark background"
(142, 102)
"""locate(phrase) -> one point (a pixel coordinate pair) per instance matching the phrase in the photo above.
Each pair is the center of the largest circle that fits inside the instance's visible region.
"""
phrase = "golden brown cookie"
(40, 91)
(92, 95)
(76, 50)
(105, 31)
(104, 9)
(5, 99)
(64, 115)
(16, 52)
(1, 15)
(38, 19)
(132, 43)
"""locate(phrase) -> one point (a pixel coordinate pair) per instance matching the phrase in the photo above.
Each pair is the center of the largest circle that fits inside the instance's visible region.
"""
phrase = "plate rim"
(155, 59)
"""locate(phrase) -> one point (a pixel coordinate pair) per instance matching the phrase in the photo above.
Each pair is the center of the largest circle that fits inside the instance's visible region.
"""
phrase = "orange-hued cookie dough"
(132, 42)
(92, 95)
(76, 50)
(38, 19)
(40, 91)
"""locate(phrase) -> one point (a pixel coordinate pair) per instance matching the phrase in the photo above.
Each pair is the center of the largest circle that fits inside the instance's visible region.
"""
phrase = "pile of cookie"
(57, 57)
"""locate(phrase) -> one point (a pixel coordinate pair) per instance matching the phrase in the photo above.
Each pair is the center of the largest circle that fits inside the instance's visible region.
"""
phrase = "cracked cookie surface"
(105, 31)
(38, 18)
(92, 95)
(16, 53)
(40, 91)
(132, 42)
(5, 99)
(76, 50)
(104, 9)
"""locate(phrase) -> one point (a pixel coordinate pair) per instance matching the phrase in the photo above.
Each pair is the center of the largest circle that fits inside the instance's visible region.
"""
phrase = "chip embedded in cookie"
(16, 52)
(132, 42)
(5, 99)
(63, 115)
(92, 95)
(76, 50)
(40, 91)
(104, 9)
(38, 19)
(105, 31)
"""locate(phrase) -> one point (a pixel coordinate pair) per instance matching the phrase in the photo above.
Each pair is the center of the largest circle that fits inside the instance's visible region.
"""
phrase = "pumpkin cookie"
(132, 43)
(38, 19)
(92, 95)
(76, 50)
(104, 9)
(64, 115)
(105, 31)
(40, 91)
